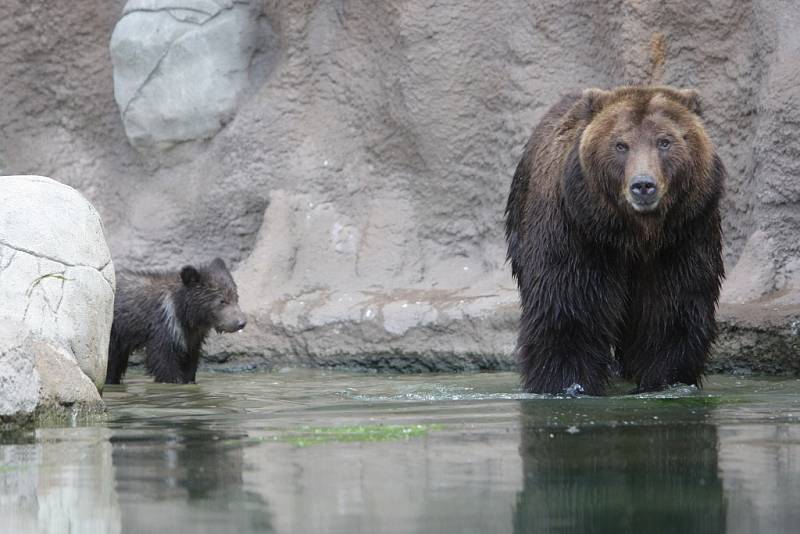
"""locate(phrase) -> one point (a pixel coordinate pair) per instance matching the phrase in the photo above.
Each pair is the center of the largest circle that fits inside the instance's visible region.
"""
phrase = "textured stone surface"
(180, 67)
(761, 337)
(62, 382)
(56, 275)
(367, 163)
(39, 379)
(19, 379)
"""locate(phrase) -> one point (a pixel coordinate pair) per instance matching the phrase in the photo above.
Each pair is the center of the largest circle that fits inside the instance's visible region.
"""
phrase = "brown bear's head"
(644, 151)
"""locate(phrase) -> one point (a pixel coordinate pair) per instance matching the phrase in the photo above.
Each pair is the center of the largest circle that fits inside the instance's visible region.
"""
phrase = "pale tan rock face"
(370, 150)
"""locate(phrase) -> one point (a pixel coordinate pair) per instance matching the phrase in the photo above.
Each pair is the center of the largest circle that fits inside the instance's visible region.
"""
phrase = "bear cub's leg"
(118, 355)
(164, 361)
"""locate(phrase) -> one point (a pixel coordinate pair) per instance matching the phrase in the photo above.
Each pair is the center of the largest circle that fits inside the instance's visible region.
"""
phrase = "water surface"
(319, 451)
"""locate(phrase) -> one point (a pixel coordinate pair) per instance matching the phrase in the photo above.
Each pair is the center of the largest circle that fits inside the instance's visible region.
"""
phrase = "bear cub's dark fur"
(170, 314)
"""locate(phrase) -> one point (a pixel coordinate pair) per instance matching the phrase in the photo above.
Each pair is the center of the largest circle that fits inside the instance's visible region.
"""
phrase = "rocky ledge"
(759, 337)
(450, 330)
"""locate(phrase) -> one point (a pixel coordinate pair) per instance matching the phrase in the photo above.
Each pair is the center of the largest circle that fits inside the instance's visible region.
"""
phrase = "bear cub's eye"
(663, 144)
(621, 147)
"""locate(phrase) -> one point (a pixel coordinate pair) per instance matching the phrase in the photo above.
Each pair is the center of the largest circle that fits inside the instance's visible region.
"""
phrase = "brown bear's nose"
(644, 189)
(242, 324)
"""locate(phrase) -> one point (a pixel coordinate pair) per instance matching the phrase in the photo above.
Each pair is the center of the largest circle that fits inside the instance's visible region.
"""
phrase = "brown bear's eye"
(663, 144)
(621, 147)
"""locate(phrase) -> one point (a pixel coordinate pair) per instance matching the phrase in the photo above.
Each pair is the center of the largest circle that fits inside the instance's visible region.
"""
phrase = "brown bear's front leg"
(671, 322)
(570, 316)
(669, 347)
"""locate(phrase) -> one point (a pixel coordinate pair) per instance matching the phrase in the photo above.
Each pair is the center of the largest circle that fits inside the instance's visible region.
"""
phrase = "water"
(316, 451)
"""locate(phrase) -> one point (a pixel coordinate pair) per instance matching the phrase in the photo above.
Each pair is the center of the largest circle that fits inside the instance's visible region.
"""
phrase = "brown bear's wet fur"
(608, 281)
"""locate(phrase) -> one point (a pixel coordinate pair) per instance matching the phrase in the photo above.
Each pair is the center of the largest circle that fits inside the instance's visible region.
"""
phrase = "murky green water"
(314, 451)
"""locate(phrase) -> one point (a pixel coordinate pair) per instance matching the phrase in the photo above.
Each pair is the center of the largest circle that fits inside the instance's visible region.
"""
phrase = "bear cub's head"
(211, 298)
(645, 151)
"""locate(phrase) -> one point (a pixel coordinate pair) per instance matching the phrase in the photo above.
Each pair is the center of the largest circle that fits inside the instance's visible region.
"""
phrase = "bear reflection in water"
(192, 474)
(627, 478)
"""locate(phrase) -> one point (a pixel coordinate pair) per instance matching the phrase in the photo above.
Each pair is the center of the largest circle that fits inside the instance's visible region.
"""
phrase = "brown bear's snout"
(643, 192)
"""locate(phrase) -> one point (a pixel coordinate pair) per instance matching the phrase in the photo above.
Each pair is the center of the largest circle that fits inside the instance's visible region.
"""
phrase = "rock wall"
(356, 162)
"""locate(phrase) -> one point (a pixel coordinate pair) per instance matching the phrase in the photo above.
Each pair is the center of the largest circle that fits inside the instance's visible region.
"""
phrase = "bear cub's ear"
(219, 264)
(190, 276)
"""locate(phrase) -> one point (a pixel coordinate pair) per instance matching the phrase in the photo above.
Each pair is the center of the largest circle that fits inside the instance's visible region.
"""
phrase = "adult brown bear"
(614, 237)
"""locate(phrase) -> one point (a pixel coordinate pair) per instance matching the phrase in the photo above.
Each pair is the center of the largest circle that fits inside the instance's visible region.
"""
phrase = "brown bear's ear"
(190, 276)
(219, 264)
(691, 99)
(593, 101)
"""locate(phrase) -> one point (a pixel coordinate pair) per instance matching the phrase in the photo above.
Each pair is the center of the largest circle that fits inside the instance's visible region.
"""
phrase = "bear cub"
(614, 236)
(169, 315)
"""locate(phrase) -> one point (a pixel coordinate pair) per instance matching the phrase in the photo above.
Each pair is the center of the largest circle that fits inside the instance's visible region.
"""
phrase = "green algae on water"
(308, 436)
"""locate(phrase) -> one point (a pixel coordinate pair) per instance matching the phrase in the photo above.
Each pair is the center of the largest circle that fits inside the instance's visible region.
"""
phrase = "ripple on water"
(314, 450)
(438, 392)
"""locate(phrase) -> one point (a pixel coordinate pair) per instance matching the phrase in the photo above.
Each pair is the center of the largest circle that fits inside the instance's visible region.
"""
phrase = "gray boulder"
(39, 378)
(19, 379)
(56, 275)
(180, 67)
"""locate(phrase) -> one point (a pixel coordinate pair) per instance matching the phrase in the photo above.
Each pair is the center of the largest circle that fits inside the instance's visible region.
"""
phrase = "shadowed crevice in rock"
(137, 93)
(35, 254)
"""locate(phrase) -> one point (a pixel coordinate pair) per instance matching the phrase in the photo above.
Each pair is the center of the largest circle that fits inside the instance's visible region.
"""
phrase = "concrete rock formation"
(19, 379)
(359, 178)
(56, 275)
(180, 67)
(40, 379)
